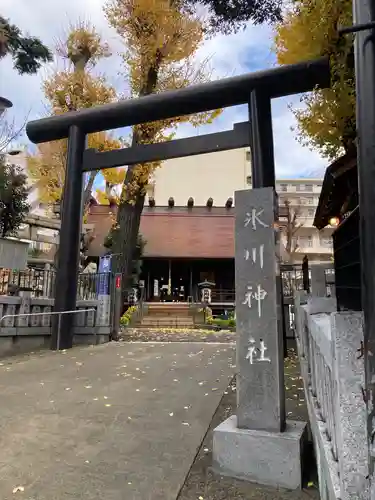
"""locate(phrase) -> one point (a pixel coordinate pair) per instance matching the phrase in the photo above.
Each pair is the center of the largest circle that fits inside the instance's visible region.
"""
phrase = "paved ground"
(112, 422)
(201, 483)
(127, 421)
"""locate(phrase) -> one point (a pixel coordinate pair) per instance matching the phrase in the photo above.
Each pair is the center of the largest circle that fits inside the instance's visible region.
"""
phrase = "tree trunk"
(88, 189)
(129, 214)
(125, 240)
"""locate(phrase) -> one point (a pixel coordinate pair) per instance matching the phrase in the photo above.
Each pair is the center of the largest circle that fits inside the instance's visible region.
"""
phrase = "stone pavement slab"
(111, 422)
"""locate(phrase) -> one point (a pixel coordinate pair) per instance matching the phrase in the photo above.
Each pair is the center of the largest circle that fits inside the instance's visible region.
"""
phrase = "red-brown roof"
(176, 232)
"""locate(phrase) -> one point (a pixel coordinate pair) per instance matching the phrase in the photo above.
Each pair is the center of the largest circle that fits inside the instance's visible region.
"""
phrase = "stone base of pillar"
(268, 458)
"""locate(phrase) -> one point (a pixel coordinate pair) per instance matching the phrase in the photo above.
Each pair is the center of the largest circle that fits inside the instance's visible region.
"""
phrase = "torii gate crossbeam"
(255, 89)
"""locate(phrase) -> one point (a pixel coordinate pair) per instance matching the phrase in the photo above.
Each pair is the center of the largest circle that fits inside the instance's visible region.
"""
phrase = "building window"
(248, 157)
(300, 187)
(248, 180)
(319, 186)
(305, 241)
(283, 187)
(309, 188)
(310, 201)
(326, 241)
(310, 212)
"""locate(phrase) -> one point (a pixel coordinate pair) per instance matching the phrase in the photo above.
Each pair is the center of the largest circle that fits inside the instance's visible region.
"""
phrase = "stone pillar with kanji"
(258, 444)
(260, 355)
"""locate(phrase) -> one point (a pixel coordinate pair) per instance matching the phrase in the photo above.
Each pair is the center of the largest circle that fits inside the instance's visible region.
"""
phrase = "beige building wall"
(20, 160)
(216, 175)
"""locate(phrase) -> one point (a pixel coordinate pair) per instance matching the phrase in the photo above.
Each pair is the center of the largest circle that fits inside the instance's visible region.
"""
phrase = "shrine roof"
(177, 232)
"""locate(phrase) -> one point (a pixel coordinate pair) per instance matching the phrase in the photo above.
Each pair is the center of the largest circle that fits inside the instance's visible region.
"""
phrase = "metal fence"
(292, 279)
(330, 282)
(42, 283)
(346, 248)
(37, 281)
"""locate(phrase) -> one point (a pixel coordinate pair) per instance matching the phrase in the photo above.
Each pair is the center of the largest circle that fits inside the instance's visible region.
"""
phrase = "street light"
(4, 105)
(334, 221)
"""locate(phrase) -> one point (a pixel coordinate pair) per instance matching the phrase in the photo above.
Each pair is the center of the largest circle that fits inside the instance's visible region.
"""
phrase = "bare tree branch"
(290, 228)
(9, 132)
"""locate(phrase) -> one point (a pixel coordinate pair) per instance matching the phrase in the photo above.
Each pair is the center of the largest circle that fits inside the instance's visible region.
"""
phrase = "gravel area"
(203, 484)
(176, 335)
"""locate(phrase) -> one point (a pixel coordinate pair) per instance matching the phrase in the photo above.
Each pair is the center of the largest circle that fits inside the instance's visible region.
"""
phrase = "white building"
(19, 159)
(219, 175)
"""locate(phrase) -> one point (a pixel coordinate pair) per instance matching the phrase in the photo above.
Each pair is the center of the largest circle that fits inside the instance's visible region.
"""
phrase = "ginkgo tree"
(161, 40)
(74, 88)
(310, 30)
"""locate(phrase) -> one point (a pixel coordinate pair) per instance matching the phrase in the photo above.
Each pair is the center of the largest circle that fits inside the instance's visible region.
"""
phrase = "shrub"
(14, 206)
(223, 323)
(127, 316)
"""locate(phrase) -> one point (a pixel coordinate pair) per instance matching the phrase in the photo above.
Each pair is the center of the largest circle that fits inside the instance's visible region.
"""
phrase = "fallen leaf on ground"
(18, 488)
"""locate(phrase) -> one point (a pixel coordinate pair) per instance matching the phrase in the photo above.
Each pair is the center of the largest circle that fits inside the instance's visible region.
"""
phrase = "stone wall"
(27, 333)
(333, 374)
(13, 253)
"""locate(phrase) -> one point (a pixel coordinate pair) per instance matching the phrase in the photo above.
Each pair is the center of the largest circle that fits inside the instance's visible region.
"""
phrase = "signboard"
(118, 281)
(104, 275)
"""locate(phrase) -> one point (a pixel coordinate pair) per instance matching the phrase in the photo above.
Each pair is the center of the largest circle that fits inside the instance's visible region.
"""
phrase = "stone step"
(168, 306)
(148, 321)
(167, 314)
(167, 324)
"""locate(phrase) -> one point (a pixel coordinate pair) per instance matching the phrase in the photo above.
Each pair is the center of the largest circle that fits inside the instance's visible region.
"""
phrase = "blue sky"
(250, 50)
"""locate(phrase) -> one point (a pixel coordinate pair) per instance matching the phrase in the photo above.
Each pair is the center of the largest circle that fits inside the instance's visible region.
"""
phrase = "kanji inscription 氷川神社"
(259, 348)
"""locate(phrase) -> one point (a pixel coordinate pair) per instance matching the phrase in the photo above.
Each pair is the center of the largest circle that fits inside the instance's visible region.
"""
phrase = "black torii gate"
(255, 89)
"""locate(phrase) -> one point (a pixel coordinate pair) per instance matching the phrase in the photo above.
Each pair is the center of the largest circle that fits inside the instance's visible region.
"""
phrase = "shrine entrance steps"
(168, 315)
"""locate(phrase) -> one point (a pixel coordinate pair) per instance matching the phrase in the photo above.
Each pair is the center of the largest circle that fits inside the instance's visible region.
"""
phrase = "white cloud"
(249, 50)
